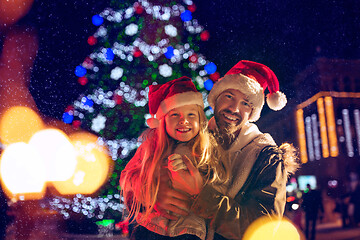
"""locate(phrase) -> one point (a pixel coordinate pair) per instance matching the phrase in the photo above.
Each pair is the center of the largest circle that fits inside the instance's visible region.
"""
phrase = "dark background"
(284, 35)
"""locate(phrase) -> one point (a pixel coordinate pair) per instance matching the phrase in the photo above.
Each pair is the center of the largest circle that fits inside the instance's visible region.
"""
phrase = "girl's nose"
(183, 120)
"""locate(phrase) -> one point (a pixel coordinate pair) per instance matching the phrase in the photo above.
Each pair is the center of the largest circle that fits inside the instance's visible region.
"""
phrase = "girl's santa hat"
(165, 97)
(251, 79)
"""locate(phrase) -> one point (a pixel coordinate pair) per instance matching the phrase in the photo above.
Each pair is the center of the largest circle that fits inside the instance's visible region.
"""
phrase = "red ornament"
(82, 80)
(193, 58)
(138, 8)
(88, 63)
(204, 35)
(92, 40)
(123, 227)
(118, 99)
(137, 53)
(76, 123)
(192, 8)
(69, 108)
(215, 76)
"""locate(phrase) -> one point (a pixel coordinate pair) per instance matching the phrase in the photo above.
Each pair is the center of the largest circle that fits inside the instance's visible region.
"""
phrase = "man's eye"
(192, 114)
(174, 115)
(228, 96)
(246, 104)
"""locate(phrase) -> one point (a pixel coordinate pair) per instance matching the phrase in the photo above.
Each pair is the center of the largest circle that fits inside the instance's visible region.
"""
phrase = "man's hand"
(189, 181)
(170, 201)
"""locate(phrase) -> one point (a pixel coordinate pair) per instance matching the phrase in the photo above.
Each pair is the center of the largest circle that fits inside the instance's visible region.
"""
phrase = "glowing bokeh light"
(12, 11)
(80, 71)
(57, 152)
(92, 169)
(22, 171)
(272, 229)
(97, 20)
(295, 206)
(18, 124)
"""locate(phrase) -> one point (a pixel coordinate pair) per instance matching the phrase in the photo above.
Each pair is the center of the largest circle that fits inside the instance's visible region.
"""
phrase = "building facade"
(323, 121)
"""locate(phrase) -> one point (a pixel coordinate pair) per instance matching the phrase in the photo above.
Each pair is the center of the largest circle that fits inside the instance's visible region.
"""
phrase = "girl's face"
(183, 123)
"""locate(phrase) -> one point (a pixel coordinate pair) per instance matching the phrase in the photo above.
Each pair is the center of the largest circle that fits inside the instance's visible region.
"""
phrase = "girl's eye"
(192, 114)
(174, 115)
(228, 96)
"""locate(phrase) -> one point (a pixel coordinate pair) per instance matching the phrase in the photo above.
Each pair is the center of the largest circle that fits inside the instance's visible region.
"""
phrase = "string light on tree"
(116, 73)
(165, 70)
(98, 123)
(131, 29)
(171, 30)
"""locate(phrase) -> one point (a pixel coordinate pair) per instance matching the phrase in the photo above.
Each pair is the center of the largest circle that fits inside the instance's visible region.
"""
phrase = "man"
(312, 203)
(258, 170)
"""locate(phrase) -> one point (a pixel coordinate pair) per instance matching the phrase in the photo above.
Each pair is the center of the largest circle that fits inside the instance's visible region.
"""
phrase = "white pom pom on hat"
(153, 122)
(165, 97)
(276, 101)
(251, 78)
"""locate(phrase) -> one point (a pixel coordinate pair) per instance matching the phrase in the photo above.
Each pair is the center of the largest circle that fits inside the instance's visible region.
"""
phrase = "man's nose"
(234, 107)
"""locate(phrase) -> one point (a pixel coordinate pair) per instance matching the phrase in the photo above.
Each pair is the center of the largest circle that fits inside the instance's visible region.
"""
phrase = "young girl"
(179, 129)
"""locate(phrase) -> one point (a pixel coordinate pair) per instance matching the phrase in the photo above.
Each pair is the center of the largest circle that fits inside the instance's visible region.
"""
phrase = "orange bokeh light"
(18, 124)
(22, 172)
(272, 229)
(57, 151)
(93, 166)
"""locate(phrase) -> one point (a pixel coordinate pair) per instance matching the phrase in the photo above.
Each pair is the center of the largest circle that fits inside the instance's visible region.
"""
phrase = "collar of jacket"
(247, 133)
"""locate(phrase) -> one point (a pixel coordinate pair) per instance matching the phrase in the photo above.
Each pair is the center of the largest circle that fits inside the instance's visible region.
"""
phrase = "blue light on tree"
(186, 16)
(210, 68)
(67, 117)
(80, 71)
(109, 54)
(208, 84)
(87, 101)
(97, 20)
(169, 52)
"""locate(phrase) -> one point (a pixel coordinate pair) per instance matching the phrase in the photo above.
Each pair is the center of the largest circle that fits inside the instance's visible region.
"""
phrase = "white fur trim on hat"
(248, 86)
(276, 101)
(179, 100)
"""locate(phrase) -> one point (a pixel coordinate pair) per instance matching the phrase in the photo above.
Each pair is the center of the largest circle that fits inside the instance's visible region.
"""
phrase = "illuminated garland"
(89, 207)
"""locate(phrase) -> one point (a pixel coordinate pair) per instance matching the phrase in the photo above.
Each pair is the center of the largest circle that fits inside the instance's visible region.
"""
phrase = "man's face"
(232, 111)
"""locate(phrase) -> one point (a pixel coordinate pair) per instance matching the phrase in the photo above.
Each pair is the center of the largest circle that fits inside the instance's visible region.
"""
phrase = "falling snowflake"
(171, 30)
(98, 123)
(131, 29)
(116, 73)
(165, 70)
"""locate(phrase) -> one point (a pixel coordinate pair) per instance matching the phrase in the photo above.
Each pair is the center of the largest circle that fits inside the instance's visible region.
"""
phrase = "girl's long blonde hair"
(140, 180)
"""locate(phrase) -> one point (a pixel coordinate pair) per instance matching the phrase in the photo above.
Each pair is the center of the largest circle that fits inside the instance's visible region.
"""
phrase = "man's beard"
(224, 133)
(224, 137)
(224, 127)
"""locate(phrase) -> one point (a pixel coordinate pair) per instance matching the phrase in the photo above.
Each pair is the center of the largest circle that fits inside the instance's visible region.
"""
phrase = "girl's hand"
(170, 201)
(189, 181)
(175, 163)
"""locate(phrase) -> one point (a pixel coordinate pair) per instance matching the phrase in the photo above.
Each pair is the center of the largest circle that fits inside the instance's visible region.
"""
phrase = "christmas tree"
(137, 44)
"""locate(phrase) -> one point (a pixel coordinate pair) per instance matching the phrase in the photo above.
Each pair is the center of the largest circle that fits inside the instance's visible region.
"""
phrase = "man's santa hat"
(251, 79)
(165, 97)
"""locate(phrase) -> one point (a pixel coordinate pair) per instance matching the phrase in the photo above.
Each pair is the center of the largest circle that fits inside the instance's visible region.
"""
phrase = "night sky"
(284, 35)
